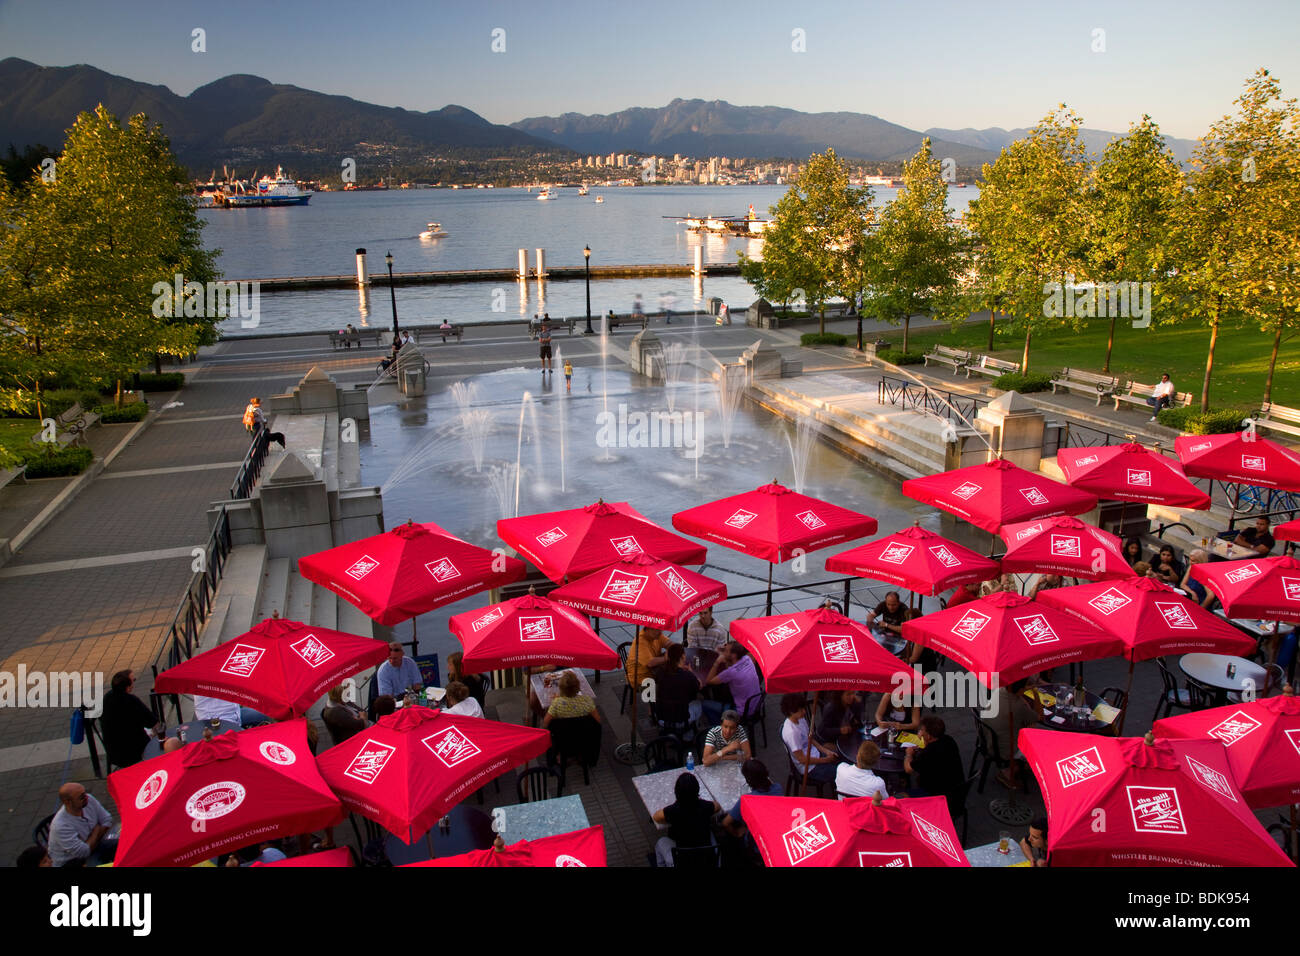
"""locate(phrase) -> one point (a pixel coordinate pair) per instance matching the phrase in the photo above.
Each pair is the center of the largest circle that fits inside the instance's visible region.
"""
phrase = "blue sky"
(917, 64)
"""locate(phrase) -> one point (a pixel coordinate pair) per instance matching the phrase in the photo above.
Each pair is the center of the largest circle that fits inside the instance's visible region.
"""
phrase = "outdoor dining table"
(1211, 670)
(470, 829)
(890, 764)
(547, 687)
(541, 818)
(722, 782)
(1058, 717)
(988, 855)
(193, 732)
(1255, 628)
(700, 662)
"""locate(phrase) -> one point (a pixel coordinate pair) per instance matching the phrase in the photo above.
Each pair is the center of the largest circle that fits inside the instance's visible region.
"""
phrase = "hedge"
(166, 382)
(56, 464)
(899, 357)
(115, 414)
(1017, 382)
(1217, 421)
(818, 338)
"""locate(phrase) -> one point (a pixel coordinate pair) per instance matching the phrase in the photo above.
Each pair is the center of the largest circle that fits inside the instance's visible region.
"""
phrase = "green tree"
(1136, 188)
(79, 264)
(914, 260)
(1030, 222)
(1234, 244)
(816, 243)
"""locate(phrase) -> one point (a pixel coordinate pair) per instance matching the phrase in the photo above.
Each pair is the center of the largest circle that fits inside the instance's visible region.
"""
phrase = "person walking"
(568, 375)
(544, 338)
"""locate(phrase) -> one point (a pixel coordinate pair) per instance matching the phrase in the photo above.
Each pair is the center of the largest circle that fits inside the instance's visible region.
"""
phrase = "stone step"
(236, 602)
(324, 606)
(877, 451)
(275, 589)
(299, 602)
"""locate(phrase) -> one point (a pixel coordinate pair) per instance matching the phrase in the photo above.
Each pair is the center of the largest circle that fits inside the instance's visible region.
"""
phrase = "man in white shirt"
(78, 830)
(858, 780)
(397, 673)
(206, 708)
(1161, 397)
(461, 701)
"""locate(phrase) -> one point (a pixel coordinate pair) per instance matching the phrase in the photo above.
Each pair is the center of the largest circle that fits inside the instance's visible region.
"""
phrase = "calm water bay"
(486, 228)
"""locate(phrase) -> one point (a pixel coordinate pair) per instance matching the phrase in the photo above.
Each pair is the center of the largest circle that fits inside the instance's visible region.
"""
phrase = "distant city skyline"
(952, 65)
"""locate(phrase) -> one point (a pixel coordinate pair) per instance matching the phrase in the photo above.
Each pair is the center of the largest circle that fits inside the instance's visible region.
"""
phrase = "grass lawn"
(1240, 356)
(16, 434)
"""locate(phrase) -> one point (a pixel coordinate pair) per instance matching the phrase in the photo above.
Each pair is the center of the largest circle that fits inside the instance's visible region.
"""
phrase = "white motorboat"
(600, 199)
(433, 231)
(582, 190)
(546, 193)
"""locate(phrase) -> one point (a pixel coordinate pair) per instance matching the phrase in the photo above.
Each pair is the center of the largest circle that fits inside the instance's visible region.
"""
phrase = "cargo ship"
(268, 191)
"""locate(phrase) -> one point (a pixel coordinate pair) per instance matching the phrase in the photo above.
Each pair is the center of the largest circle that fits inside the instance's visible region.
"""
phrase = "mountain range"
(244, 120)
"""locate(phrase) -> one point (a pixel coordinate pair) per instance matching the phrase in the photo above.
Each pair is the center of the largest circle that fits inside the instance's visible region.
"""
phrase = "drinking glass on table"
(1004, 841)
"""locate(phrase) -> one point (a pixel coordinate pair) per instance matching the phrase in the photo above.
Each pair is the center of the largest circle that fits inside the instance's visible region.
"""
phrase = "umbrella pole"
(1008, 811)
(803, 789)
(1128, 689)
(769, 589)
(630, 752)
(1295, 845)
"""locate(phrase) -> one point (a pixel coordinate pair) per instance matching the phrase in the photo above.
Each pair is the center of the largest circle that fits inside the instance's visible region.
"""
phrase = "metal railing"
(959, 409)
(251, 467)
(182, 635)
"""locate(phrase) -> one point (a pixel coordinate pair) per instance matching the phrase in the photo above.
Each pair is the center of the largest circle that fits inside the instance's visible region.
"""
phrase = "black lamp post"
(586, 256)
(393, 292)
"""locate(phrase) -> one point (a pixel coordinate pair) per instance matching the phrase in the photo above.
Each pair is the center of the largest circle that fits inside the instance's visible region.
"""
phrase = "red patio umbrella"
(1063, 545)
(1130, 472)
(1010, 636)
(820, 650)
(529, 630)
(1263, 588)
(859, 831)
(408, 571)
(339, 856)
(1241, 457)
(916, 559)
(644, 590)
(279, 667)
(573, 543)
(579, 848)
(1150, 617)
(1164, 802)
(1262, 739)
(998, 492)
(1290, 531)
(217, 795)
(413, 766)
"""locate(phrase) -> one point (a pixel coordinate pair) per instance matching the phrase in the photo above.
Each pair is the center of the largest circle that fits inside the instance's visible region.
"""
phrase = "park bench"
(1135, 393)
(943, 355)
(993, 368)
(456, 332)
(616, 320)
(71, 426)
(348, 339)
(1087, 383)
(1278, 418)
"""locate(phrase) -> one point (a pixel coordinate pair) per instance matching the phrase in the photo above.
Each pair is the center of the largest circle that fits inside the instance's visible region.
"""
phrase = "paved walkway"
(95, 589)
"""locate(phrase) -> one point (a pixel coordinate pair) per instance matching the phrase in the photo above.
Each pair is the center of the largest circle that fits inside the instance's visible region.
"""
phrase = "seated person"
(689, 820)
(706, 633)
(888, 616)
(1133, 550)
(1168, 569)
(1034, 845)
(645, 655)
(456, 671)
(342, 718)
(964, 593)
(206, 708)
(819, 761)
(1258, 539)
(677, 691)
(385, 704)
(79, 831)
(1045, 582)
(760, 784)
(1194, 588)
(897, 712)
(460, 702)
(444, 329)
(257, 853)
(1024, 713)
(858, 780)
(937, 765)
(1143, 570)
(568, 702)
(126, 721)
(844, 713)
(727, 741)
(734, 669)
(398, 673)
(1005, 583)
(34, 857)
